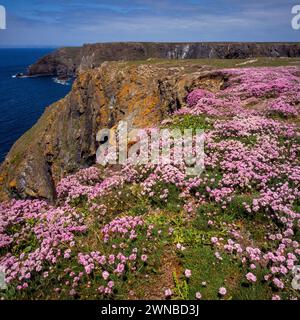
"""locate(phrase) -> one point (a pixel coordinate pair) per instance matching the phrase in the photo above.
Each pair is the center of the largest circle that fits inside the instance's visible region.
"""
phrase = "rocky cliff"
(68, 61)
(64, 139)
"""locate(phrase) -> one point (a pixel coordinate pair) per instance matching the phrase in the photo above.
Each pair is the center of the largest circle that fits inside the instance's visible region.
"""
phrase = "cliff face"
(68, 61)
(64, 139)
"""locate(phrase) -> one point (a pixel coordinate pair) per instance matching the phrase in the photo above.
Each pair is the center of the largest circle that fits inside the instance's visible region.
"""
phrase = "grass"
(207, 269)
(199, 256)
(173, 204)
(219, 63)
(192, 232)
(190, 122)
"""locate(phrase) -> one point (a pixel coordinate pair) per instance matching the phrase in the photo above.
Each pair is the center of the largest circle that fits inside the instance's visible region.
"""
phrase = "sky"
(41, 23)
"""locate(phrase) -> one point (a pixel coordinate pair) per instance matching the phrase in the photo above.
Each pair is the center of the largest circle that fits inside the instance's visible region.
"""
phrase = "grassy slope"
(194, 233)
(223, 63)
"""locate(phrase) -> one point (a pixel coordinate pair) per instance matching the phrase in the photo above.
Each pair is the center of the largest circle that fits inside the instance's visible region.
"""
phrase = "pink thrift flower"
(188, 273)
(278, 283)
(198, 295)
(72, 292)
(144, 257)
(168, 293)
(214, 240)
(105, 275)
(222, 291)
(251, 277)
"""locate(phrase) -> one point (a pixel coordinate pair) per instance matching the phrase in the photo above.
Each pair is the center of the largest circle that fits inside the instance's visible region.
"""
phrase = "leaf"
(27, 249)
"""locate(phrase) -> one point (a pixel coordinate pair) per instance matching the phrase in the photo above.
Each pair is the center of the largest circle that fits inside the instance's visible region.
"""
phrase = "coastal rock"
(64, 139)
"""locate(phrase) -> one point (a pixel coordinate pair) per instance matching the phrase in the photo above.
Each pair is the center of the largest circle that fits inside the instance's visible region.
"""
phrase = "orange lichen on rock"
(64, 138)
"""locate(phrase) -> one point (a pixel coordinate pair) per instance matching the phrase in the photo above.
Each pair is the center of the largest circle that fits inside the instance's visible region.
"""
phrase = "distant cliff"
(68, 61)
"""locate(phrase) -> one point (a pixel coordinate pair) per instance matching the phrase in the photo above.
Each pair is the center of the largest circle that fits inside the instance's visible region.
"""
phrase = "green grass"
(219, 63)
(205, 267)
(173, 203)
(190, 122)
(199, 257)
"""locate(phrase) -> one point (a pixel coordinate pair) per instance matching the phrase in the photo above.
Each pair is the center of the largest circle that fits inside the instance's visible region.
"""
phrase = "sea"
(23, 100)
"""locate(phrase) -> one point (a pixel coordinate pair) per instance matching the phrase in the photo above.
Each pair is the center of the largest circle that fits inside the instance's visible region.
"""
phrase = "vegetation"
(153, 231)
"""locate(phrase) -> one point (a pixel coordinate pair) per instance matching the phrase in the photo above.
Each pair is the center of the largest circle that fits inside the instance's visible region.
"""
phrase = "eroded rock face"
(69, 61)
(64, 139)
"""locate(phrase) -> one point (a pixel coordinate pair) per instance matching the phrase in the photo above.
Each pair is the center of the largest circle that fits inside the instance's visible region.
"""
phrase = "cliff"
(68, 61)
(64, 139)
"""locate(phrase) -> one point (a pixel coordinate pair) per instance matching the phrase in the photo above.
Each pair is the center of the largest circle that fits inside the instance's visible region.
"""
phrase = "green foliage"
(181, 291)
(236, 207)
(191, 122)
(173, 202)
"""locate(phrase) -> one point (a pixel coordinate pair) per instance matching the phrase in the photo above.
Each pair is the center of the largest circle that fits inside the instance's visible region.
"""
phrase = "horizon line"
(112, 42)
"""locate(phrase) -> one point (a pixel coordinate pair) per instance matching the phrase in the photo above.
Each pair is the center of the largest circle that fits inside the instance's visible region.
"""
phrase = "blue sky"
(74, 22)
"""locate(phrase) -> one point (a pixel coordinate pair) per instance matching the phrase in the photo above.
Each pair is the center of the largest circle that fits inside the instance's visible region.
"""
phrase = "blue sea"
(22, 101)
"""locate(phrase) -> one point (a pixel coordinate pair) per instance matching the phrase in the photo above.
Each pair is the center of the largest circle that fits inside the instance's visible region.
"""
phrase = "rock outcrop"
(64, 139)
(68, 61)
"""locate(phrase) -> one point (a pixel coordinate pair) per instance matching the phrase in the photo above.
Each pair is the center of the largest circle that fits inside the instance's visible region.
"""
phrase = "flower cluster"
(34, 234)
(252, 164)
(124, 227)
(121, 256)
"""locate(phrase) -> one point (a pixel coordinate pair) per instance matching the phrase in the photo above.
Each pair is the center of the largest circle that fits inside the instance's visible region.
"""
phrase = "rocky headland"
(71, 60)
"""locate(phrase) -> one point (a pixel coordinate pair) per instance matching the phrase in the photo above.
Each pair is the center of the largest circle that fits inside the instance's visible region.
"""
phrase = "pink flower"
(218, 256)
(188, 273)
(132, 257)
(144, 257)
(67, 254)
(120, 268)
(107, 291)
(278, 283)
(267, 277)
(168, 293)
(222, 291)
(105, 275)
(214, 240)
(101, 289)
(198, 295)
(251, 277)
(276, 297)
(72, 292)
